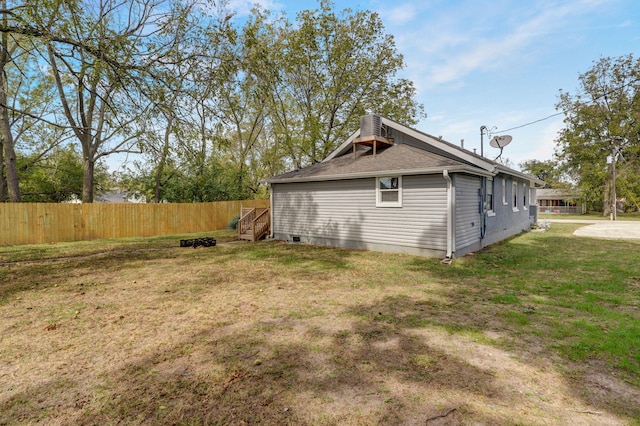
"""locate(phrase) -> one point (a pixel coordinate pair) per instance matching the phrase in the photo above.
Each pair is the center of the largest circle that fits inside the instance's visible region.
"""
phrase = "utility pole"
(614, 197)
(614, 155)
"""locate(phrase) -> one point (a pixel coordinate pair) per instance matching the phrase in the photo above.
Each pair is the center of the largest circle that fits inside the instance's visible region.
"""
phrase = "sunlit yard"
(540, 329)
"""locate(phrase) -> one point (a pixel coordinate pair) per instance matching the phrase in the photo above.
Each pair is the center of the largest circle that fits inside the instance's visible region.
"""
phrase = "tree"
(56, 177)
(602, 120)
(99, 99)
(103, 58)
(327, 71)
(8, 170)
(549, 171)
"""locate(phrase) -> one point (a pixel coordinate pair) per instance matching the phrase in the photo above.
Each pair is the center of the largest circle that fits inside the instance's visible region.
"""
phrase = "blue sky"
(498, 63)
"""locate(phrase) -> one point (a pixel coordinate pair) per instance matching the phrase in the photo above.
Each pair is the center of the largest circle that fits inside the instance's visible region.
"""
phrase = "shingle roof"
(556, 194)
(414, 152)
(395, 158)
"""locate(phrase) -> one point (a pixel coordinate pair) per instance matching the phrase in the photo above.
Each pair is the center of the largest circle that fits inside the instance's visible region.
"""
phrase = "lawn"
(543, 328)
(635, 216)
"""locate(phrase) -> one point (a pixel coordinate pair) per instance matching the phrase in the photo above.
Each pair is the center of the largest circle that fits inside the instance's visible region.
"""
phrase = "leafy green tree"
(602, 120)
(216, 181)
(325, 72)
(56, 177)
(549, 171)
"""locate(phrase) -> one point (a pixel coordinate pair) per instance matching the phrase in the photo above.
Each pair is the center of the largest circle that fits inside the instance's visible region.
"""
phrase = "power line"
(603, 95)
(529, 124)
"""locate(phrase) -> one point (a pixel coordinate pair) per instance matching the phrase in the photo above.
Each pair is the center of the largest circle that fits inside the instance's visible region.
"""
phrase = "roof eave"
(447, 147)
(403, 172)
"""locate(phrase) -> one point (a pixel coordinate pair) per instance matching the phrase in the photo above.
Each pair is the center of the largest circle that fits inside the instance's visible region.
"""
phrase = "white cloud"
(401, 14)
(464, 47)
(243, 7)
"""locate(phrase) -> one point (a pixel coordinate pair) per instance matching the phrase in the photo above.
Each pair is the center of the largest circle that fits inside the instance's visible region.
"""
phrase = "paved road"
(619, 229)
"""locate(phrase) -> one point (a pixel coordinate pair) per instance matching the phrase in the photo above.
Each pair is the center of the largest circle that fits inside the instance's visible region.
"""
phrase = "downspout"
(450, 216)
(271, 211)
(483, 212)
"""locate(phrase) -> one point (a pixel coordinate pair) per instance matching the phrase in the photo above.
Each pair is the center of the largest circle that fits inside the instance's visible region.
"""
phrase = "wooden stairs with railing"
(254, 223)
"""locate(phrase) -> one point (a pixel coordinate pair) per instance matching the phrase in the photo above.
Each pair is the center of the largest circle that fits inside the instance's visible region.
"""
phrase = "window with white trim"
(514, 195)
(488, 195)
(525, 191)
(389, 191)
(504, 191)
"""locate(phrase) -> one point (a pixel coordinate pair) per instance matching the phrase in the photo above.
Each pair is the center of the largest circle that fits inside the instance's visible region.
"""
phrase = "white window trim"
(490, 211)
(514, 196)
(525, 193)
(379, 202)
(504, 192)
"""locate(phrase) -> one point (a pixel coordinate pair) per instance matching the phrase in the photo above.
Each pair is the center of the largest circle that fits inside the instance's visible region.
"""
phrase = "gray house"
(392, 188)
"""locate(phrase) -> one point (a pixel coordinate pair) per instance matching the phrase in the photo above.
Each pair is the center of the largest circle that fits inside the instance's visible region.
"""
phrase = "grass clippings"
(540, 329)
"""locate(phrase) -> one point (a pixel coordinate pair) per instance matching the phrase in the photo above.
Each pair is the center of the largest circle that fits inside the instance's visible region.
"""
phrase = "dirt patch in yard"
(274, 334)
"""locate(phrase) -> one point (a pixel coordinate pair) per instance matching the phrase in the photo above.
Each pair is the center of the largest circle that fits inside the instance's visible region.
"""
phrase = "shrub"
(233, 223)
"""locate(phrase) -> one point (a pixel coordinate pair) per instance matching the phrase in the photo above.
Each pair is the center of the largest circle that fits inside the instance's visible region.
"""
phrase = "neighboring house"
(392, 188)
(111, 197)
(560, 201)
(121, 197)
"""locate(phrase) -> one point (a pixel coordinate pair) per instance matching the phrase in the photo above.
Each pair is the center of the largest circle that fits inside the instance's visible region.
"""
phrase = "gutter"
(451, 204)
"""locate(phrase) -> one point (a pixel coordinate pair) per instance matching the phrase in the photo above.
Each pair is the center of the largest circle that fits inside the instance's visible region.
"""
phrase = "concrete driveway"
(617, 230)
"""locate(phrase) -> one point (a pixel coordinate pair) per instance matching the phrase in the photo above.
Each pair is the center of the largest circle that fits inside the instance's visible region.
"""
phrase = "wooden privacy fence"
(33, 223)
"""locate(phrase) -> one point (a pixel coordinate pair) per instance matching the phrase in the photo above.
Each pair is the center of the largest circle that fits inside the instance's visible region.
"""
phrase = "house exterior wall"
(506, 219)
(344, 214)
(561, 206)
(468, 217)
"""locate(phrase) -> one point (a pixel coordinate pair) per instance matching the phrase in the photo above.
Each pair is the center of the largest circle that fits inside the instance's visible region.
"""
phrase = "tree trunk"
(10, 167)
(163, 160)
(87, 181)
(8, 144)
(3, 181)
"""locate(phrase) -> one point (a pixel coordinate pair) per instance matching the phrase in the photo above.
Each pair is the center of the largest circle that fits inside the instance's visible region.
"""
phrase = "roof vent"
(370, 125)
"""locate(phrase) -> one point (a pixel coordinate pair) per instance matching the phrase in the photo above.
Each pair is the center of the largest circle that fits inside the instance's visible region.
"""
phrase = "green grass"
(590, 216)
(239, 332)
(21, 253)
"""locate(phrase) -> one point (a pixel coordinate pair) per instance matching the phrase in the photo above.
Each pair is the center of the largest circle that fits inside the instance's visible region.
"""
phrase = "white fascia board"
(343, 146)
(446, 147)
(405, 172)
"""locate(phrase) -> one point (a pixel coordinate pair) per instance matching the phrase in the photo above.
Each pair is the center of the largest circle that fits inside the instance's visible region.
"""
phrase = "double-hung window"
(488, 191)
(514, 196)
(389, 191)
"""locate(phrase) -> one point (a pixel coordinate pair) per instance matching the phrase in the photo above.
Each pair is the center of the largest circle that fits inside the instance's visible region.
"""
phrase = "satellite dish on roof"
(500, 141)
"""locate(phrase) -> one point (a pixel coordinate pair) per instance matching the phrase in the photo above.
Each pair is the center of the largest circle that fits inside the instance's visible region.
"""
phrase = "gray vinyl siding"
(506, 222)
(344, 213)
(468, 217)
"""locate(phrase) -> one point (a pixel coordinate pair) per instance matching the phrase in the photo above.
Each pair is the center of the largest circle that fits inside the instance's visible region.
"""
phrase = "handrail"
(246, 219)
(261, 224)
(255, 222)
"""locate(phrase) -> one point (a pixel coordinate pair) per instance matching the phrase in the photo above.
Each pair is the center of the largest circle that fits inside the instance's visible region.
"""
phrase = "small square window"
(389, 191)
